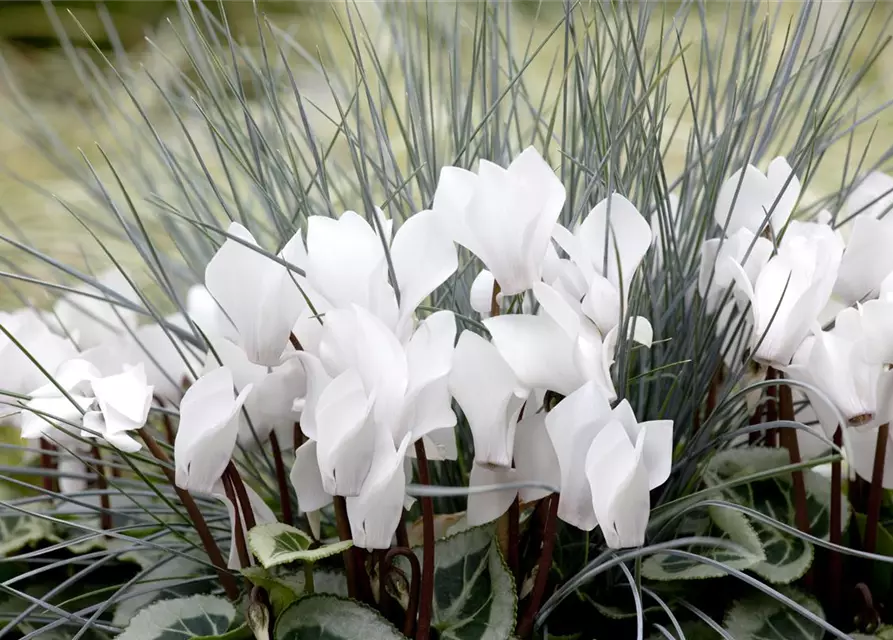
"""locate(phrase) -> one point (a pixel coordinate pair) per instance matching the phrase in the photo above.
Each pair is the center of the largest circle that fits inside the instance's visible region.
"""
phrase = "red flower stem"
(198, 520)
(835, 560)
(494, 303)
(239, 539)
(343, 526)
(426, 597)
(771, 410)
(525, 626)
(281, 480)
(241, 494)
(46, 462)
(105, 516)
(412, 606)
(876, 491)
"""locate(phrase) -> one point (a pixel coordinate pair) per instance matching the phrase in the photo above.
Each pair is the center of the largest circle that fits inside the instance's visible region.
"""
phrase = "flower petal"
(481, 295)
(490, 397)
(345, 435)
(538, 351)
(572, 425)
(424, 256)
(619, 486)
(866, 261)
(487, 507)
(616, 237)
(307, 481)
(209, 425)
(535, 458)
(126, 395)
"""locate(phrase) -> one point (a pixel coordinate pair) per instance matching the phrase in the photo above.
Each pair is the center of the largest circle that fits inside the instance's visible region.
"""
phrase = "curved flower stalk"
(210, 422)
(609, 462)
(503, 216)
(790, 291)
(261, 297)
(749, 199)
(369, 398)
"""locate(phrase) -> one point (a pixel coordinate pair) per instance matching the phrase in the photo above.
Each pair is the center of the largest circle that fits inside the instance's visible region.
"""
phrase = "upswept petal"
(866, 261)
(345, 435)
(657, 442)
(780, 177)
(52, 410)
(490, 396)
(538, 351)
(481, 294)
(347, 265)
(862, 445)
(616, 237)
(557, 307)
(204, 311)
(535, 458)
(619, 484)
(307, 480)
(209, 426)
(124, 399)
(572, 425)
(872, 197)
(487, 507)
(424, 256)
(318, 380)
(602, 304)
(375, 513)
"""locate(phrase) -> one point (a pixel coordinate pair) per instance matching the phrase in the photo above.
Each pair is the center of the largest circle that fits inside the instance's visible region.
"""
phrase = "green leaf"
(18, 531)
(737, 529)
(787, 557)
(277, 543)
(474, 594)
(285, 587)
(197, 617)
(327, 617)
(761, 617)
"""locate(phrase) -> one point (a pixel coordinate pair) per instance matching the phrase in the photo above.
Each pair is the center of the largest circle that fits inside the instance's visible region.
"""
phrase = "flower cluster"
(327, 348)
(792, 280)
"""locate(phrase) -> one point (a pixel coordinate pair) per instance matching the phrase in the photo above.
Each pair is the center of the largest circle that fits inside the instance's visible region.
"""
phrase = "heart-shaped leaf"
(326, 617)
(277, 543)
(194, 618)
(761, 617)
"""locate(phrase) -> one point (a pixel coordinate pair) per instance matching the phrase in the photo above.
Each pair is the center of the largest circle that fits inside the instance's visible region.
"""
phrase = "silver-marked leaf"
(787, 556)
(761, 617)
(277, 543)
(883, 633)
(18, 530)
(474, 594)
(183, 619)
(326, 617)
(286, 586)
(737, 530)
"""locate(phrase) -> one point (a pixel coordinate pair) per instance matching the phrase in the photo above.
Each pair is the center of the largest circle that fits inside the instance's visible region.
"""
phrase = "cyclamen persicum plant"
(411, 339)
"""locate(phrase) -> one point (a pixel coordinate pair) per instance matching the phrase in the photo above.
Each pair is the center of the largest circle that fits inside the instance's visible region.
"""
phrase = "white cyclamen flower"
(88, 319)
(716, 275)
(124, 400)
(756, 195)
(258, 294)
(609, 462)
(607, 249)
(51, 408)
(208, 429)
(790, 291)
(19, 374)
(866, 261)
(503, 216)
(347, 265)
(491, 397)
